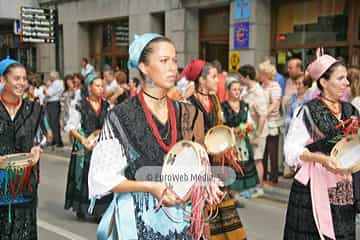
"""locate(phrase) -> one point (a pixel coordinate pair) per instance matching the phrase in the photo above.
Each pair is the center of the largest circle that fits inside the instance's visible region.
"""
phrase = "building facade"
(101, 30)
(10, 44)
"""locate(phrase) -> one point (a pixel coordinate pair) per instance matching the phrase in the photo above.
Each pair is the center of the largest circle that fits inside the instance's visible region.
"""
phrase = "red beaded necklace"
(155, 130)
(10, 103)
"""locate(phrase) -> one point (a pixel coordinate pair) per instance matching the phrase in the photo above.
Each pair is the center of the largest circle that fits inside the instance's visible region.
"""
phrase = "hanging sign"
(242, 9)
(241, 35)
(38, 25)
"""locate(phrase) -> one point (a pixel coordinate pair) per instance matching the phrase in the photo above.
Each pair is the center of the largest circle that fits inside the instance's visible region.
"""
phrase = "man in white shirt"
(53, 94)
(112, 87)
(86, 67)
(294, 70)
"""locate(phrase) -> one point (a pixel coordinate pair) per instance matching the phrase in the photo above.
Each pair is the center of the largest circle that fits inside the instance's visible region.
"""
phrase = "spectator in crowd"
(267, 74)
(112, 88)
(134, 86)
(53, 94)
(354, 79)
(68, 96)
(258, 106)
(78, 80)
(123, 91)
(294, 70)
(86, 67)
(120, 77)
(39, 90)
(278, 77)
(178, 92)
(297, 99)
(221, 92)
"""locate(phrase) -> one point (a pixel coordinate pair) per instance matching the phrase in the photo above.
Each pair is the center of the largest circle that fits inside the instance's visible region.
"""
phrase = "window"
(309, 21)
(109, 43)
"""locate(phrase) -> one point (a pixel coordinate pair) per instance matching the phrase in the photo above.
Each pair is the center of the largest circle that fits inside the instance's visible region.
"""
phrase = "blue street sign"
(242, 9)
(241, 35)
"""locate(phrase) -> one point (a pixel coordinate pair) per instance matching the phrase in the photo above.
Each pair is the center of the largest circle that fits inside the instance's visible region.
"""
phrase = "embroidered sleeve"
(296, 139)
(108, 162)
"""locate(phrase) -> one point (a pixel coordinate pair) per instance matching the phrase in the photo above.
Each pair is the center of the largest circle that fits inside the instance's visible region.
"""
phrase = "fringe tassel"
(16, 181)
(229, 157)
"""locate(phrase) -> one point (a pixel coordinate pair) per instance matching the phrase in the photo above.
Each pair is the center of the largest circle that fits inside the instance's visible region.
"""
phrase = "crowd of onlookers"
(283, 98)
(56, 94)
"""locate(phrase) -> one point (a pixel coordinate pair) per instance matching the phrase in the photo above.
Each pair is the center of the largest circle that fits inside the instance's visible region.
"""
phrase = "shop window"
(311, 21)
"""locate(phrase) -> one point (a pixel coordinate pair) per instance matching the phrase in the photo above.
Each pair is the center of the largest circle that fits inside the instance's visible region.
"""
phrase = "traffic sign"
(234, 61)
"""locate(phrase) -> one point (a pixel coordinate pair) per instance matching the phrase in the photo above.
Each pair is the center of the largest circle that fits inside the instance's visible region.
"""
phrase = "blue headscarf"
(5, 63)
(90, 78)
(137, 46)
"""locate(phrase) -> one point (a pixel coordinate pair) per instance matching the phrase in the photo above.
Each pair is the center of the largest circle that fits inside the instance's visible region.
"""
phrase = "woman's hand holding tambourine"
(330, 164)
(35, 152)
(164, 194)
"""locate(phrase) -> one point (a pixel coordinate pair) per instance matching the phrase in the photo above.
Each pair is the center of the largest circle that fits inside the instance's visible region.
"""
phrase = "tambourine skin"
(219, 139)
(346, 154)
(170, 158)
(17, 160)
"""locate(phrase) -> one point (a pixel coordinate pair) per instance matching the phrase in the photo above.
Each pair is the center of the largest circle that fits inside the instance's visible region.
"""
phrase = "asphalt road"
(263, 219)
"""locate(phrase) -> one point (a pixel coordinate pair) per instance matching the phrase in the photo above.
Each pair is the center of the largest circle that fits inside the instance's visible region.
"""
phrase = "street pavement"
(263, 218)
(54, 222)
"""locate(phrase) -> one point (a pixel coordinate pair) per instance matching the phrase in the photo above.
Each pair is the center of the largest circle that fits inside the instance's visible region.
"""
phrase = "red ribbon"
(350, 126)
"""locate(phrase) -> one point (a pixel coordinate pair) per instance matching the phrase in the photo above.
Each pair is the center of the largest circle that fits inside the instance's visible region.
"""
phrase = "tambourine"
(17, 160)
(186, 171)
(346, 153)
(18, 170)
(219, 139)
(220, 142)
(182, 164)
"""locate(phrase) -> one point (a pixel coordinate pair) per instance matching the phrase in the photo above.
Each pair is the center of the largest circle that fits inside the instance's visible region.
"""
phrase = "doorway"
(214, 25)
(213, 50)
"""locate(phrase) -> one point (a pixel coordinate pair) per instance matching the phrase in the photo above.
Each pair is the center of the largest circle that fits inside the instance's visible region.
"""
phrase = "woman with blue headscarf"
(86, 117)
(20, 132)
(138, 133)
